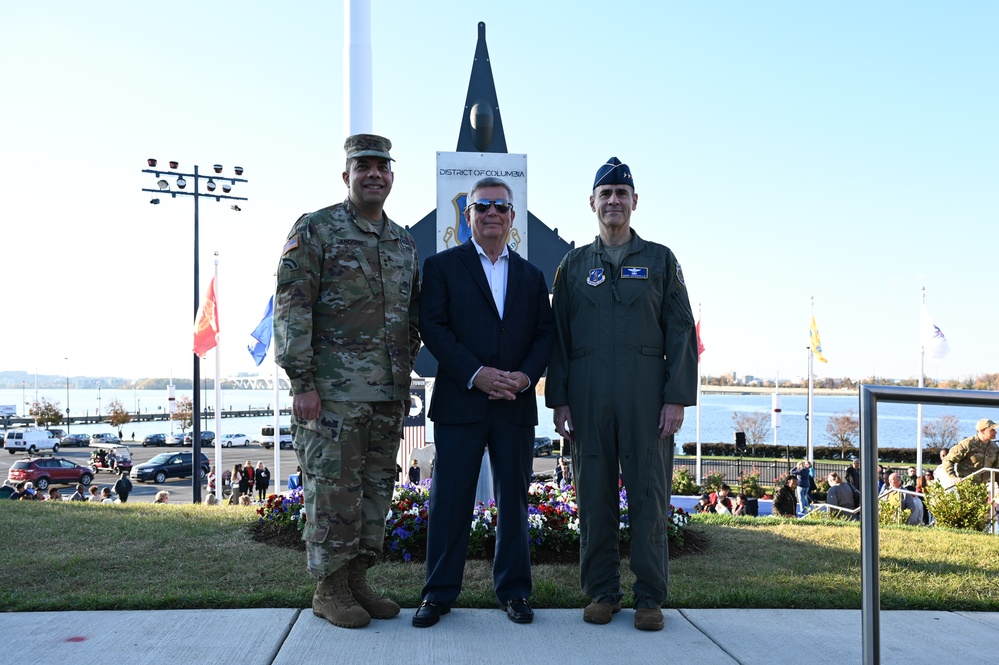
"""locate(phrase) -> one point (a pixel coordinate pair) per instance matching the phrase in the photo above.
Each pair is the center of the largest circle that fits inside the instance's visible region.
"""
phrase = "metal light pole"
(164, 188)
(67, 394)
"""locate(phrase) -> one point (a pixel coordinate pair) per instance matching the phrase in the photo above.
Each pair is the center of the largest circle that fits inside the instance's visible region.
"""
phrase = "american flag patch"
(290, 245)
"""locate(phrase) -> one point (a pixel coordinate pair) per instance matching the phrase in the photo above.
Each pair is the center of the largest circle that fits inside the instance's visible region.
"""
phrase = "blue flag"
(262, 334)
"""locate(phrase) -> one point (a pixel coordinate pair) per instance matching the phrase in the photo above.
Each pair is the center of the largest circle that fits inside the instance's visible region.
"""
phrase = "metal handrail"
(870, 396)
(827, 507)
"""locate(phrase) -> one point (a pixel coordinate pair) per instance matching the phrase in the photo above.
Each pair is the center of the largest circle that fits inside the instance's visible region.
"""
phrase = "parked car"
(45, 471)
(230, 440)
(75, 440)
(207, 438)
(30, 439)
(154, 440)
(175, 440)
(169, 465)
(104, 437)
(542, 446)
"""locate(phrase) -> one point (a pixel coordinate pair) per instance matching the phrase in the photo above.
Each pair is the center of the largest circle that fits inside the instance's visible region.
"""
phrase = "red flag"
(206, 327)
(700, 345)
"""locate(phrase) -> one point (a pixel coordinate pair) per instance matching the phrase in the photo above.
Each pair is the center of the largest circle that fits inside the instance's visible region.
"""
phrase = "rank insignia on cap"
(633, 272)
(290, 245)
(679, 274)
(596, 277)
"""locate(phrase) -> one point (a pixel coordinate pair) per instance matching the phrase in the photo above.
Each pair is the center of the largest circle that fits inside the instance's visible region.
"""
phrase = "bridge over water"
(254, 383)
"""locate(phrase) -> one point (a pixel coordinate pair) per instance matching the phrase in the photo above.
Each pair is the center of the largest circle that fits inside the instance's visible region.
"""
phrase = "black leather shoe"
(519, 611)
(429, 613)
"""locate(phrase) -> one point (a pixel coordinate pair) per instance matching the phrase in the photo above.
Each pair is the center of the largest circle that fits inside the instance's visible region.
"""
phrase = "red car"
(45, 471)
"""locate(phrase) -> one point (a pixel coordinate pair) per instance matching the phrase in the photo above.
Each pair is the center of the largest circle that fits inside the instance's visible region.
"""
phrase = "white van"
(30, 439)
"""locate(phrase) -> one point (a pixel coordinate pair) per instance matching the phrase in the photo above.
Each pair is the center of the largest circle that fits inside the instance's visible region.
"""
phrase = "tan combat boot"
(333, 602)
(649, 618)
(377, 606)
(600, 612)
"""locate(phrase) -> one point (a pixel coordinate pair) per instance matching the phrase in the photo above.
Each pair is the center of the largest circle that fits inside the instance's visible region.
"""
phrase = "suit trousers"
(452, 501)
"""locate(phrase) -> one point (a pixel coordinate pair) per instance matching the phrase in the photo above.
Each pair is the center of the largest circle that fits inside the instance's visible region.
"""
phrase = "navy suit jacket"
(461, 327)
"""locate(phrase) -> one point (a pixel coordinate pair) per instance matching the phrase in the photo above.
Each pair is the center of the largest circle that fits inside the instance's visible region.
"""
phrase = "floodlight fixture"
(211, 185)
(163, 184)
(218, 168)
(173, 165)
(235, 207)
(239, 170)
(154, 202)
(181, 183)
(226, 187)
(151, 162)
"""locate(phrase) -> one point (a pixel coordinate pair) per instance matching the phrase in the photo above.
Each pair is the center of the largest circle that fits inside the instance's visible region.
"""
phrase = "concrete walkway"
(469, 636)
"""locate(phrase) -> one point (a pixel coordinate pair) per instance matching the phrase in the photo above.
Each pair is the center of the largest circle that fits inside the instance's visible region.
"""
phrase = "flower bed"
(552, 516)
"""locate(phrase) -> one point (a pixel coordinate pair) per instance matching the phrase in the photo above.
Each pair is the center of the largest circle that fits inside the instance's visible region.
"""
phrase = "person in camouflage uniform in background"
(976, 452)
(345, 331)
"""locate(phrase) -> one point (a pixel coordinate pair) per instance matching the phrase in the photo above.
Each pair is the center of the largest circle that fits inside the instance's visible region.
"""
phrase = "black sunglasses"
(482, 205)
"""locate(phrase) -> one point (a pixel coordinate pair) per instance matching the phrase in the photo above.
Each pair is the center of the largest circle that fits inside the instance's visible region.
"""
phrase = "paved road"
(181, 490)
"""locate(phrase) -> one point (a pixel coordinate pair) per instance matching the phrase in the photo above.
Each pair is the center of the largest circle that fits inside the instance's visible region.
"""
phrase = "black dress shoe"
(519, 611)
(429, 613)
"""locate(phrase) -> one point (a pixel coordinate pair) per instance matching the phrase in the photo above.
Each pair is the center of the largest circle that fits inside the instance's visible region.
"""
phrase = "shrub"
(821, 489)
(890, 511)
(713, 481)
(683, 483)
(966, 506)
(749, 484)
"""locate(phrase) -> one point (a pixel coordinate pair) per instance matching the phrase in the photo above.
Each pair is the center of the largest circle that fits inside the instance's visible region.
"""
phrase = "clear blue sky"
(784, 150)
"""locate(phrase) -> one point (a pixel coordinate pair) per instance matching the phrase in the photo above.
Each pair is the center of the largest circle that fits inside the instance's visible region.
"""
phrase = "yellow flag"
(816, 342)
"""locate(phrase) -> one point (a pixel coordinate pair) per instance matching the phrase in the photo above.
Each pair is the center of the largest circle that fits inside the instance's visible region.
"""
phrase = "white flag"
(933, 339)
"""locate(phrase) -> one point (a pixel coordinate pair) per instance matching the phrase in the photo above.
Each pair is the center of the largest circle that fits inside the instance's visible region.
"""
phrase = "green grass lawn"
(82, 556)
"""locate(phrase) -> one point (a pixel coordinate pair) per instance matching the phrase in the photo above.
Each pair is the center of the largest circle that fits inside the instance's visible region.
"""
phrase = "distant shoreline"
(762, 390)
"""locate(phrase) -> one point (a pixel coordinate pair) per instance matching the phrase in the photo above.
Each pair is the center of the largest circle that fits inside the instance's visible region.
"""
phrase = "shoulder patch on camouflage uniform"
(289, 264)
(290, 245)
(679, 274)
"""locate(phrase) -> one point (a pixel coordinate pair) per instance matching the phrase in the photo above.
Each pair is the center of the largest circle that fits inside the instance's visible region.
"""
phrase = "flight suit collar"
(635, 245)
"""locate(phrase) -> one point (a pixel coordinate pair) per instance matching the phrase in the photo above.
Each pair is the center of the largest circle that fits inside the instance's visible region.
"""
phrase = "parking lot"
(182, 490)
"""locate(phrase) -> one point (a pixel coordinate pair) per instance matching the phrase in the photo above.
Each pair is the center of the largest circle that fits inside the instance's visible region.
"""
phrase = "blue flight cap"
(613, 173)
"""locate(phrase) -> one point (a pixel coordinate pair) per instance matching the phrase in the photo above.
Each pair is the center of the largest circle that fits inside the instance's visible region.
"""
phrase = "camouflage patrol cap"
(367, 145)
(985, 423)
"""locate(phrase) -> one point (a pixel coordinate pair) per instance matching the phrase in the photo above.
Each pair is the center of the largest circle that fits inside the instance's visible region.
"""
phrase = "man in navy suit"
(486, 318)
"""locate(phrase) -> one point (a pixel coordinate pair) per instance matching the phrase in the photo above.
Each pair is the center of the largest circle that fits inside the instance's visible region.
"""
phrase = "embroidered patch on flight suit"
(634, 272)
(290, 245)
(596, 277)
(679, 274)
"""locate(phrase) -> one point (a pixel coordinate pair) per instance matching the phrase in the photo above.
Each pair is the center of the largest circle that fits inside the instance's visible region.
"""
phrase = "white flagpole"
(698, 407)
(811, 388)
(919, 407)
(276, 476)
(357, 70)
(218, 394)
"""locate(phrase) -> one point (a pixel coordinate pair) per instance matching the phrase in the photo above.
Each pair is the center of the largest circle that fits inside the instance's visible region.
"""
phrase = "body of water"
(896, 422)
(87, 401)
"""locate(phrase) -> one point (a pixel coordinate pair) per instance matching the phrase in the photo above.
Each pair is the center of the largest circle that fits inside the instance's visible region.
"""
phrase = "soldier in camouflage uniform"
(623, 368)
(974, 453)
(345, 331)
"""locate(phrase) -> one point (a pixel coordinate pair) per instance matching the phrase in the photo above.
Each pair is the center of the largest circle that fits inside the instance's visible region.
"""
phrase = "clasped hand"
(500, 384)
